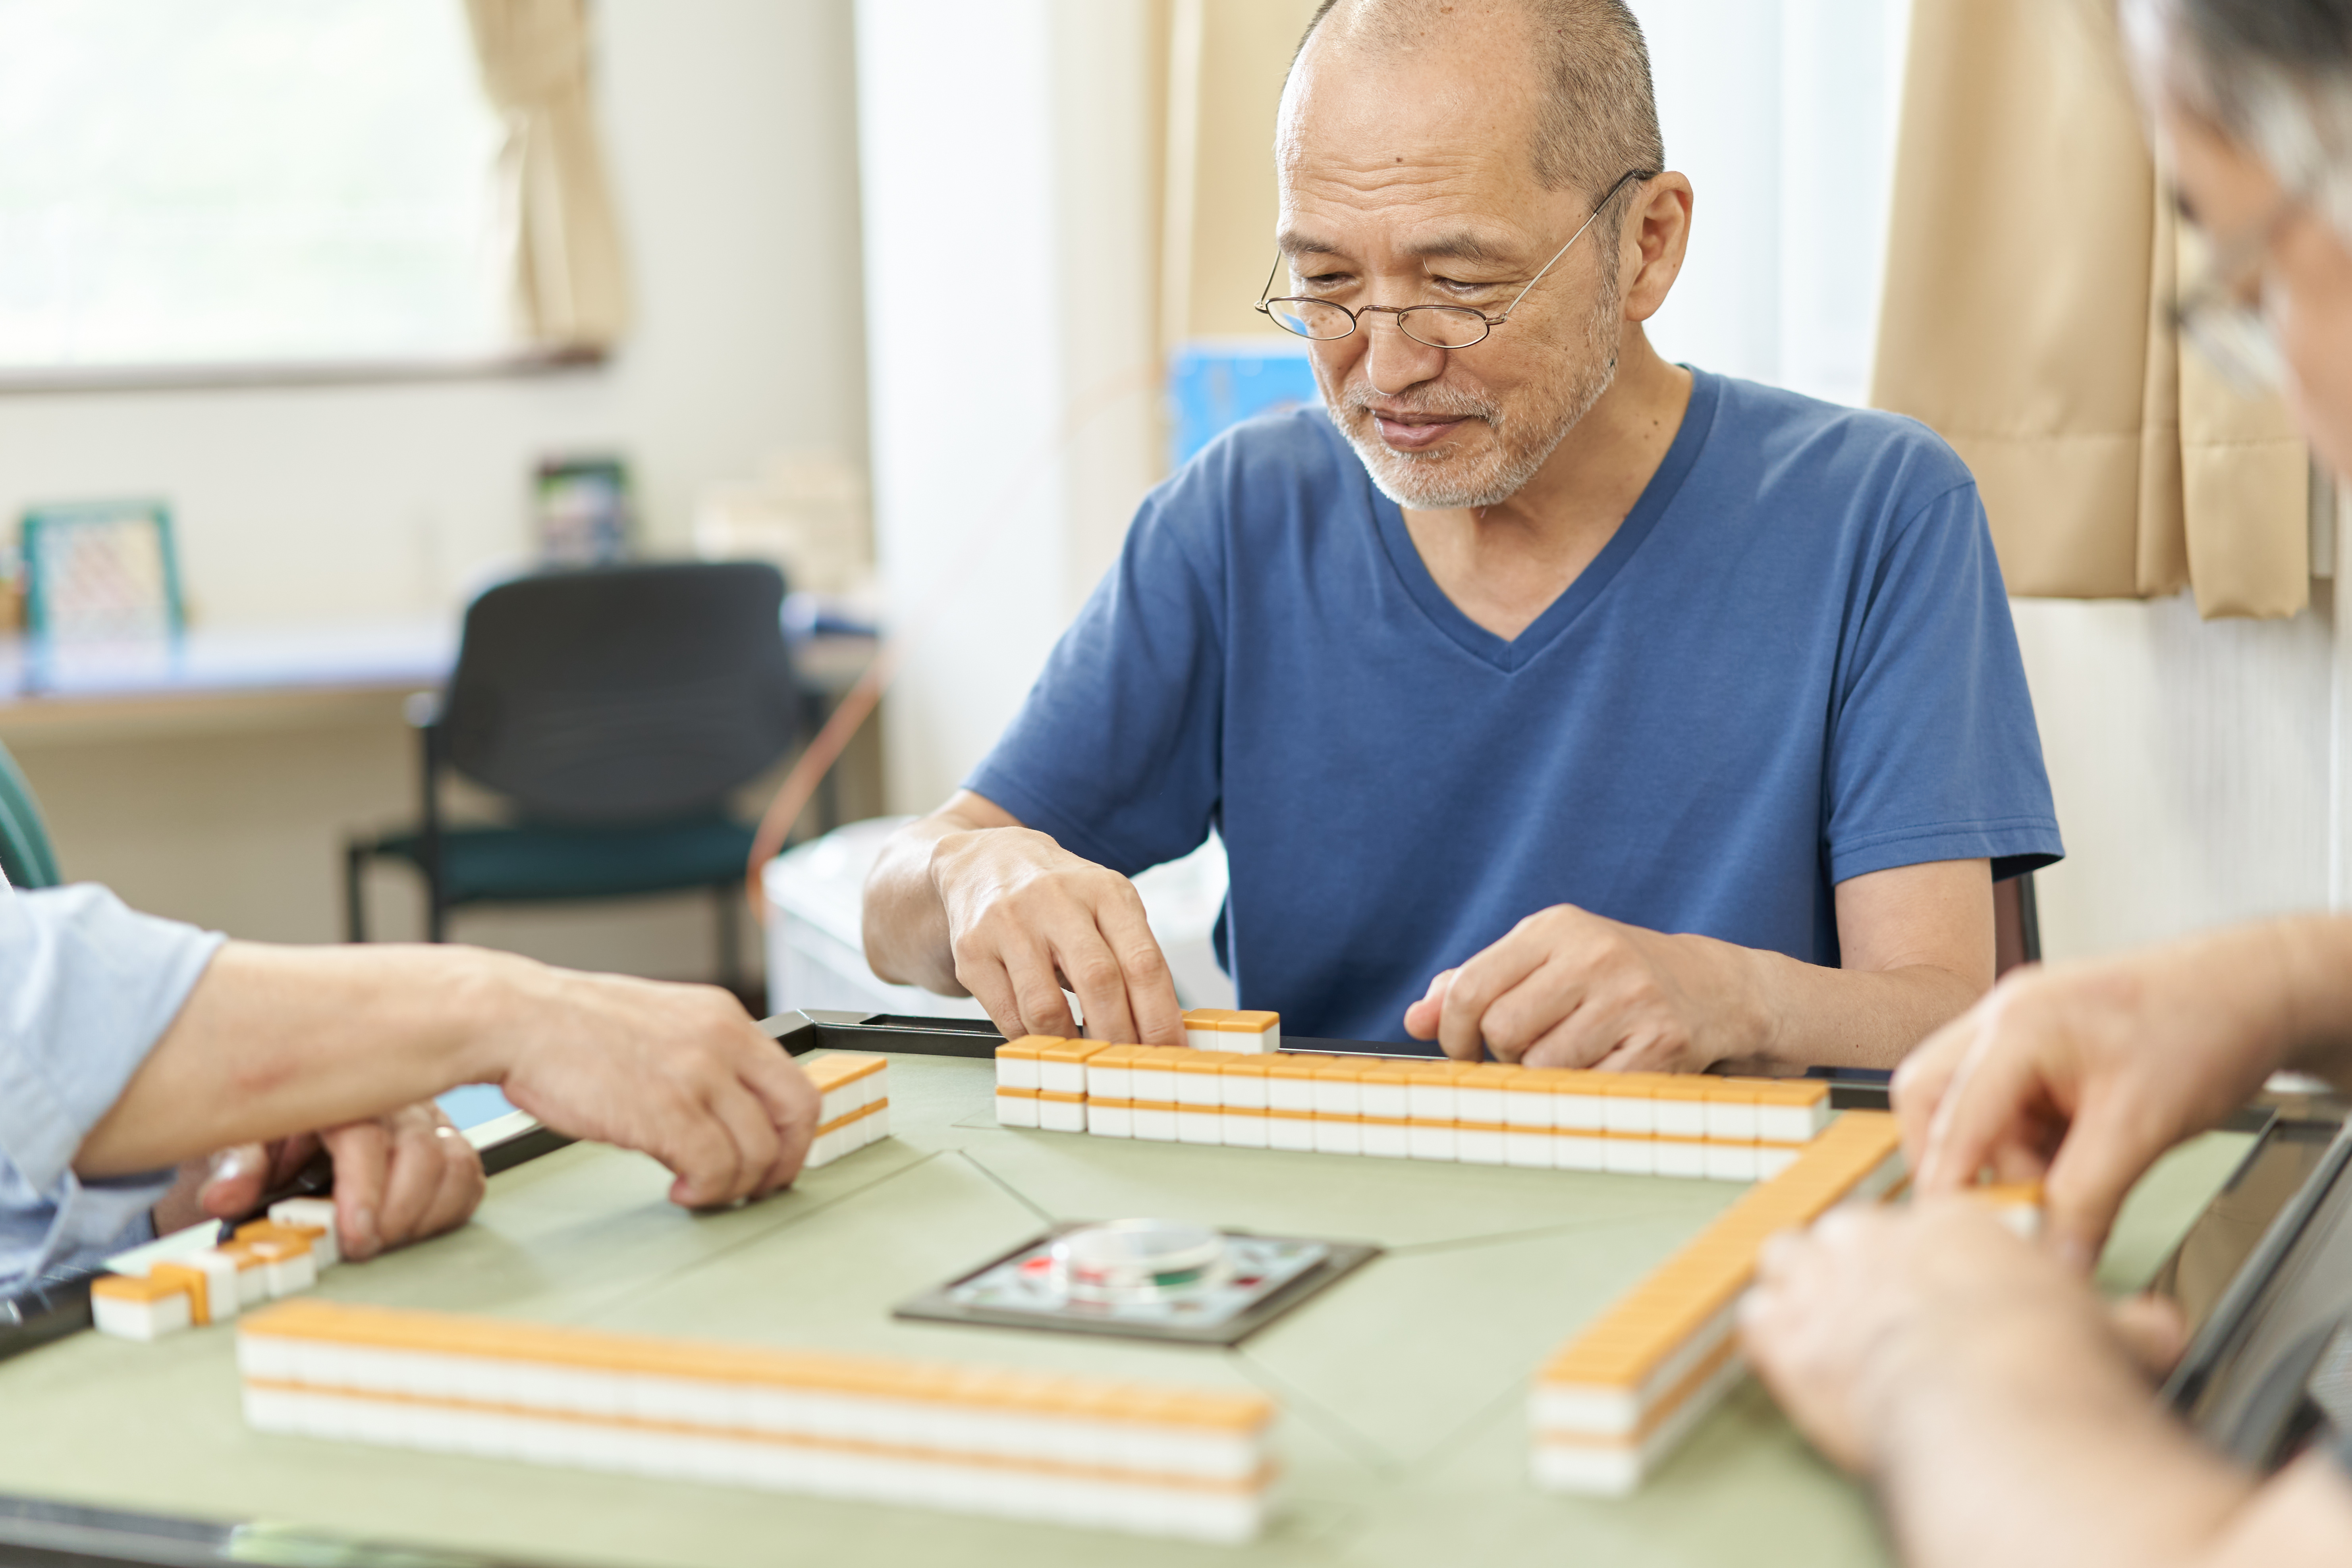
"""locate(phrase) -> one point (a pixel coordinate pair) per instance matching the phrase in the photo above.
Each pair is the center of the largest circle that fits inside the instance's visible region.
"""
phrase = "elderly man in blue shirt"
(1551, 698)
(129, 1045)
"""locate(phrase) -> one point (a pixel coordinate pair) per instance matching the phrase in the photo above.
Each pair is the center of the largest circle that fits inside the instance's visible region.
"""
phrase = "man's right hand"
(678, 1072)
(1026, 917)
(969, 899)
(2084, 1075)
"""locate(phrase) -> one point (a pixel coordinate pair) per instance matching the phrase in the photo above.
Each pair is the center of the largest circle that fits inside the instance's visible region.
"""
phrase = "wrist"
(492, 1002)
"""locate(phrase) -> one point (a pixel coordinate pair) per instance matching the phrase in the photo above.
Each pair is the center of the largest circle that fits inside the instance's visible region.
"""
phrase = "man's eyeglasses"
(2221, 313)
(1438, 326)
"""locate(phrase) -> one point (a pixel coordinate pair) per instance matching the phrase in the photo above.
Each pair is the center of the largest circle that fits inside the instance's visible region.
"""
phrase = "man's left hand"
(1570, 989)
(1877, 1311)
(398, 1178)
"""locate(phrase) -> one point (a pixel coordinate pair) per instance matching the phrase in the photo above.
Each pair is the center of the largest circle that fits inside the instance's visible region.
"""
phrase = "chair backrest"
(25, 854)
(622, 693)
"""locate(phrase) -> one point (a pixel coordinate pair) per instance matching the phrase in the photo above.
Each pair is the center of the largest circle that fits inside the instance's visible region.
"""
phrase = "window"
(242, 182)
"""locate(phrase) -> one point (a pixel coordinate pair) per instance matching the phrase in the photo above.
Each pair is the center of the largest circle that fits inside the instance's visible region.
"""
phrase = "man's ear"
(1651, 244)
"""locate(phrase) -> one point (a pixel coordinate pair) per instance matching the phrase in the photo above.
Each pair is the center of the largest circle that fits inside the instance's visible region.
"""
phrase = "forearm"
(1793, 1014)
(2068, 1467)
(279, 1040)
(2312, 1016)
(906, 923)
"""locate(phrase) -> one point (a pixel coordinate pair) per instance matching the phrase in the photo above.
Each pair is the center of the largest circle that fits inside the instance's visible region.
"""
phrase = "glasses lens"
(1443, 326)
(2235, 340)
(1310, 318)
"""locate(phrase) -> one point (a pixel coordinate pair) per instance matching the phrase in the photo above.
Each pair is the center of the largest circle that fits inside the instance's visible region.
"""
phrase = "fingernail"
(229, 1165)
(364, 1228)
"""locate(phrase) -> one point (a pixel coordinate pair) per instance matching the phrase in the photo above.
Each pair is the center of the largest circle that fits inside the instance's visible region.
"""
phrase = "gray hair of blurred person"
(1598, 116)
(2272, 76)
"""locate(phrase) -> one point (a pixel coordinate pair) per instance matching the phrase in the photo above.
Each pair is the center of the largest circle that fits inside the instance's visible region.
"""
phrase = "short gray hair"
(2274, 76)
(1599, 118)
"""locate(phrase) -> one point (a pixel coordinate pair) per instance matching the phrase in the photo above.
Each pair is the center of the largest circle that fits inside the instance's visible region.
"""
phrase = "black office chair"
(616, 708)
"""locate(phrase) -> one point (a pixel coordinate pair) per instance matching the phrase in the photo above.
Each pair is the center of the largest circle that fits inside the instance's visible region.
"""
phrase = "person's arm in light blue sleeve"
(87, 987)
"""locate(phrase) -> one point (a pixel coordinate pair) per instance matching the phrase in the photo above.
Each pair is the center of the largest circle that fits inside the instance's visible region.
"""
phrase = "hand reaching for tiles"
(2082, 1076)
(1871, 1328)
(1569, 989)
(1026, 917)
(678, 1072)
(399, 1178)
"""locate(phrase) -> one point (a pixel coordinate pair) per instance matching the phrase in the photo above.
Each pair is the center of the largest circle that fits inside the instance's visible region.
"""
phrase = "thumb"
(235, 1183)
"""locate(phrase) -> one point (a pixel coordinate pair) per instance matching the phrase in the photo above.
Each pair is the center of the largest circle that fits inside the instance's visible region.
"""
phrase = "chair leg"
(730, 936)
(355, 859)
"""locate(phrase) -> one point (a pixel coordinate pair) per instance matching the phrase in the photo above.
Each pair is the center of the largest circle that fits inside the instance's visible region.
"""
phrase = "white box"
(1788, 1123)
(1338, 1135)
(1154, 1081)
(1477, 1146)
(1771, 1159)
(1731, 1161)
(1387, 1140)
(1681, 1157)
(1336, 1096)
(1731, 1121)
(1430, 1140)
(1530, 1148)
(1115, 1082)
(1477, 1104)
(1199, 1125)
(1393, 1101)
(1155, 1126)
(1289, 1093)
(1681, 1118)
(1110, 1118)
(1244, 1129)
(1631, 1157)
(1294, 1131)
(1243, 1089)
(1529, 1108)
(1581, 1151)
(1012, 1111)
(1429, 1097)
(1062, 1077)
(1200, 1088)
(1581, 1111)
(1630, 1113)
(1016, 1072)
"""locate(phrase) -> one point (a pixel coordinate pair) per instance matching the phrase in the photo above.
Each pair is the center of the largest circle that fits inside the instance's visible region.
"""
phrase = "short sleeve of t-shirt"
(1117, 751)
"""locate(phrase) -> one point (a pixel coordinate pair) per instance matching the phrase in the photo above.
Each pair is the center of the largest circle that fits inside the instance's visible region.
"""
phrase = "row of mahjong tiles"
(1731, 1129)
(186, 1282)
(1156, 1460)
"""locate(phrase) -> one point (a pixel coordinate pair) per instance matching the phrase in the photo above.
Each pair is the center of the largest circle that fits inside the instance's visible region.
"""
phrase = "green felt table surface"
(1402, 1433)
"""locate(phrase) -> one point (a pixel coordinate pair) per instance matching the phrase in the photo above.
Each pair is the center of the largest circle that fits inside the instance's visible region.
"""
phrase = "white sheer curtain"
(1783, 113)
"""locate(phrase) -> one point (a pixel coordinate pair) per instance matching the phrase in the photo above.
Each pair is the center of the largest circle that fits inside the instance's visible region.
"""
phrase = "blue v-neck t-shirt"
(1791, 665)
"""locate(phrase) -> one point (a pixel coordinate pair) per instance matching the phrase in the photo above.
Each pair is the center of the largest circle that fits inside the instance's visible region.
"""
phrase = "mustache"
(1429, 403)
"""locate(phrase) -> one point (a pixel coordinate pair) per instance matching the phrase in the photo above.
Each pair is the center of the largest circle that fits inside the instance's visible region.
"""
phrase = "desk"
(1403, 1431)
(237, 679)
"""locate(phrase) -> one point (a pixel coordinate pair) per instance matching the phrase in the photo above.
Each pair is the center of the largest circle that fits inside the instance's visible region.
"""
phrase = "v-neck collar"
(1515, 653)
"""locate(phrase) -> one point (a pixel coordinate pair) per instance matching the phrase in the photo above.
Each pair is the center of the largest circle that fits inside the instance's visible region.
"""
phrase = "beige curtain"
(570, 287)
(2032, 267)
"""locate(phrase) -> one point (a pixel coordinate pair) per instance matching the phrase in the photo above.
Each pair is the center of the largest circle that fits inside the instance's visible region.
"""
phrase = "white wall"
(1010, 181)
(731, 128)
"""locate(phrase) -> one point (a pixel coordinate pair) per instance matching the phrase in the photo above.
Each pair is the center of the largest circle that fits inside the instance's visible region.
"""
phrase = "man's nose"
(1393, 359)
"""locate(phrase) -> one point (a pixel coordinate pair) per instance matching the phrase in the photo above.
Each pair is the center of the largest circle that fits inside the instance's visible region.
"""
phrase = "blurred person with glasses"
(2004, 1414)
(1551, 699)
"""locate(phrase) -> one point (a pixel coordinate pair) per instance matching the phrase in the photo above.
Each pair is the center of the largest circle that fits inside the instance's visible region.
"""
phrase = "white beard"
(1441, 479)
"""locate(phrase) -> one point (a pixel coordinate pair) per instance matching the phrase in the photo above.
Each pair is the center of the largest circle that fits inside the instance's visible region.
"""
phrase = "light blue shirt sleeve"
(87, 987)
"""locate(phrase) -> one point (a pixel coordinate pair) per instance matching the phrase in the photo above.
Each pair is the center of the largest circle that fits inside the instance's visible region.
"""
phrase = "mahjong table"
(1403, 1387)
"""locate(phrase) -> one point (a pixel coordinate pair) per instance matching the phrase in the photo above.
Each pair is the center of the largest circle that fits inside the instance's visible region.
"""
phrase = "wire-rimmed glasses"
(2221, 313)
(1438, 326)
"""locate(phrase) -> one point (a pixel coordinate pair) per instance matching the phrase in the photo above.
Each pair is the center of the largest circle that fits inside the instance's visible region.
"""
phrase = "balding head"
(1581, 64)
